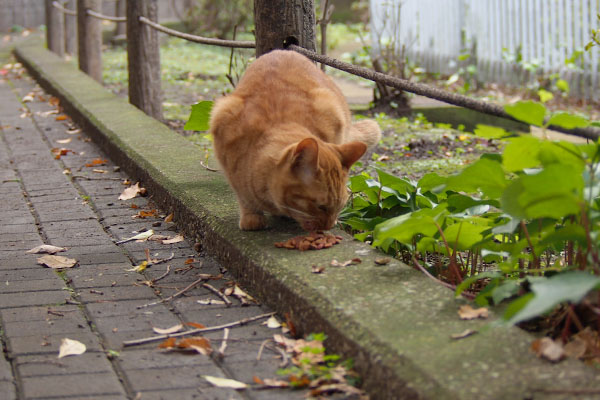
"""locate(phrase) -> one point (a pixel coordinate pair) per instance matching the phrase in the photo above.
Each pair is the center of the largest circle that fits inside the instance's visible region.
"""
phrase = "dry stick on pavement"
(195, 331)
(204, 277)
(162, 276)
(216, 291)
(224, 343)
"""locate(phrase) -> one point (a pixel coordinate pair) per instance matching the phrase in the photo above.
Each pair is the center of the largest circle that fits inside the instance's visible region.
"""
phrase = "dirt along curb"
(393, 321)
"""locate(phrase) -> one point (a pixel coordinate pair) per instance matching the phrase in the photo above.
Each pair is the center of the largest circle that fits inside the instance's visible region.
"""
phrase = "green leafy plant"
(524, 221)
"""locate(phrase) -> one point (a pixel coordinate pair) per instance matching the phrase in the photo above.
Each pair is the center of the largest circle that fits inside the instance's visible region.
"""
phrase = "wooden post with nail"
(89, 38)
(282, 22)
(143, 55)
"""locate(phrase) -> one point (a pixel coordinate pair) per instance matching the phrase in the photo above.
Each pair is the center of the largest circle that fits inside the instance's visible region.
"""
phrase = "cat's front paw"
(253, 222)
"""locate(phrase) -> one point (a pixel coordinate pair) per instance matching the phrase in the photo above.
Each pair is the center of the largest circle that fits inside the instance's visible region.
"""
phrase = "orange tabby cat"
(285, 140)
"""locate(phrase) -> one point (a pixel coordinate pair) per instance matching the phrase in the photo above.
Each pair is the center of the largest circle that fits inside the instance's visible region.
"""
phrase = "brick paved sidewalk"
(97, 301)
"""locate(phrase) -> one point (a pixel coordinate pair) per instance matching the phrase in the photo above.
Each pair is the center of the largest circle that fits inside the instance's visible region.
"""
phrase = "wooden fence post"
(54, 29)
(121, 29)
(70, 29)
(89, 38)
(282, 22)
(143, 55)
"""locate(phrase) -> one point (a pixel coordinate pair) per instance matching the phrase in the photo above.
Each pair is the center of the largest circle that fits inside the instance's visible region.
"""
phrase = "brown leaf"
(198, 343)
(168, 343)
(463, 334)
(131, 192)
(54, 101)
(169, 218)
(274, 383)
(189, 261)
(257, 380)
(317, 269)
(168, 331)
(61, 117)
(290, 325)
(146, 214)
(468, 312)
(548, 349)
(354, 261)
(96, 162)
(175, 239)
(57, 262)
(195, 325)
(46, 248)
(382, 260)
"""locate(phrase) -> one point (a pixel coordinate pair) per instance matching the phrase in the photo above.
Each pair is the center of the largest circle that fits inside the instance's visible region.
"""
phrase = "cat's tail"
(366, 131)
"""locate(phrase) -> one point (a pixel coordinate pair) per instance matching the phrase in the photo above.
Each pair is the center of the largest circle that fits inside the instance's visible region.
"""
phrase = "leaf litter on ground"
(70, 347)
(131, 192)
(468, 312)
(46, 248)
(57, 262)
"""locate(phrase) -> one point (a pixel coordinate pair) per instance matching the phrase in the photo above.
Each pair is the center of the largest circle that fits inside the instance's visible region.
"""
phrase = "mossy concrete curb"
(393, 321)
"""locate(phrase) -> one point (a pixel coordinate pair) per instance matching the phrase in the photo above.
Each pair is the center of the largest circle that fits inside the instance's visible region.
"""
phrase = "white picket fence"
(545, 32)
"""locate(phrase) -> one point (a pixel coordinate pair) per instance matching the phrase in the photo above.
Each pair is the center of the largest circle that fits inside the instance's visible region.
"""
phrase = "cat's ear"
(306, 159)
(351, 152)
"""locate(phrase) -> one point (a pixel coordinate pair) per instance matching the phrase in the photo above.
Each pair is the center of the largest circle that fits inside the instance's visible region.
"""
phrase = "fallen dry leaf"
(468, 312)
(64, 141)
(195, 324)
(70, 347)
(463, 334)
(548, 349)
(312, 241)
(59, 152)
(54, 101)
(208, 302)
(139, 268)
(317, 269)
(272, 323)
(146, 214)
(96, 162)
(169, 218)
(176, 239)
(46, 248)
(382, 260)
(57, 262)
(198, 343)
(225, 383)
(354, 261)
(100, 171)
(130, 192)
(140, 236)
(271, 383)
(168, 331)
(238, 293)
(61, 117)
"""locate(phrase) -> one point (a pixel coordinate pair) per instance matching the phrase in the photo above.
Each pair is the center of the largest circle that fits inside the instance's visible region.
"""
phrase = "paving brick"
(17, 229)
(49, 344)
(48, 364)
(192, 394)
(104, 258)
(124, 307)
(25, 274)
(33, 298)
(52, 325)
(172, 377)
(36, 313)
(8, 390)
(116, 293)
(142, 323)
(72, 385)
(100, 280)
(22, 286)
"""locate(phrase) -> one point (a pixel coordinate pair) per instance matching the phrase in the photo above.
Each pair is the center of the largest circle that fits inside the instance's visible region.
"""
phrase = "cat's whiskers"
(296, 211)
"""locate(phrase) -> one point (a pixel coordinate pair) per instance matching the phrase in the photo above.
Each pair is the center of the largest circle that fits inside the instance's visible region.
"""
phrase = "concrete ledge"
(392, 320)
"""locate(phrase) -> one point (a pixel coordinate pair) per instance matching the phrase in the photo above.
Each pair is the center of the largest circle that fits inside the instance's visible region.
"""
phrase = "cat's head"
(312, 181)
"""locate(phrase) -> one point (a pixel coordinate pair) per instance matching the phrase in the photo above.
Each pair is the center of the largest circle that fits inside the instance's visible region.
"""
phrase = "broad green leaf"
(545, 96)
(563, 86)
(568, 121)
(529, 112)
(405, 227)
(490, 132)
(505, 290)
(561, 153)
(199, 117)
(521, 153)
(431, 181)
(575, 233)
(458, 203)
(548, 293)
(400, 185)
(485, 175)
(464, 235)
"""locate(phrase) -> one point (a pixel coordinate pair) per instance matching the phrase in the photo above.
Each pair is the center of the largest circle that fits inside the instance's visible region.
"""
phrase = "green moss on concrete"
(393, 320)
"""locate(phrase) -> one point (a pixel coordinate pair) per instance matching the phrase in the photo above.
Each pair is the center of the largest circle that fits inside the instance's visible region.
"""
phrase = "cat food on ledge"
(312, 241)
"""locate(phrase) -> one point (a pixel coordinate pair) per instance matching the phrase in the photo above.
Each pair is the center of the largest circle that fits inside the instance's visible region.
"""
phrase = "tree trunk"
(283, 22)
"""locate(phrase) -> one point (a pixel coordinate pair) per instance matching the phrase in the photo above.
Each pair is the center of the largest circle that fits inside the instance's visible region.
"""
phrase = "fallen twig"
(206, 167)
(161, 261)
(224, 343)
(87, 178)
(216, 291)
(162, 276)
(195, 331)
(262, 347)
(182, 291)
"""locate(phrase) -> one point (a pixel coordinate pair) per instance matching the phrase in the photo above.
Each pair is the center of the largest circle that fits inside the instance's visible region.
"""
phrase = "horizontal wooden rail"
(105, 17)
(65, 11)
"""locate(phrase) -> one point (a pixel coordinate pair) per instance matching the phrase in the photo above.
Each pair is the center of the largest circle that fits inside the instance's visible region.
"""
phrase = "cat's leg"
(251, 220)
(366, 131)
